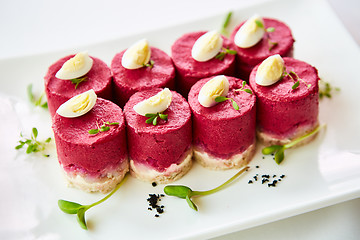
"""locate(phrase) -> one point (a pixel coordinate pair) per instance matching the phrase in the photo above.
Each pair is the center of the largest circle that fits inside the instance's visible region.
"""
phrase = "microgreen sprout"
(225, 25)
(154, 117)
(37, 102)
(278, 150)
(244, 89)
(326, 90)
(103, 128)
(79, 80)
(261, 25)
(33, 145)
(185, 192)
(150, 64)
(221, 55)
(267, 30)
(223, 99)
(78, 209)
(272, 44)
(295, 78)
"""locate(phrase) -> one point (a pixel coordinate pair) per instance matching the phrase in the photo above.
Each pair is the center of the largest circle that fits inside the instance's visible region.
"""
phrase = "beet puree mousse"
(73, 75)
(259, 38)
(141, 67)
(199, 55)
(91, 142)
(223, 132)
(159, 135)
(287, 93)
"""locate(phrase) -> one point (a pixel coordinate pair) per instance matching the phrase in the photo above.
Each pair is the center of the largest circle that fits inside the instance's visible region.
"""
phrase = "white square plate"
(320, 174)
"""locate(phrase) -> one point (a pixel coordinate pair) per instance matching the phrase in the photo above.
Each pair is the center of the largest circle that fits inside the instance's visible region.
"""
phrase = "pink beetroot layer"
(282, 110)
(248, 58)
(59, 91)
(221, 131)
(164, 144)
(129, 81)
(189, 71)
(91, 154)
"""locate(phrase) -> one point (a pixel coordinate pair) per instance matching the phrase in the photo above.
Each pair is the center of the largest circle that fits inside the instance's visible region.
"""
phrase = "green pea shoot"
(187, 193)
(278, 150)
(79, 209)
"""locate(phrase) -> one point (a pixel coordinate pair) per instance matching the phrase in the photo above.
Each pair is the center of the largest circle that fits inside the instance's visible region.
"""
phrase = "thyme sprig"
(295, 78)
(185, 192)
(244, 89)
(154, 117)
(33, 145)
(326, 90)
(78, 80)
(278, 150)
(103, 128)
(223, 99)
(150, 64)
(267, 30)
(79, 209)
(221, 55)
(224, 31)
(36, 101)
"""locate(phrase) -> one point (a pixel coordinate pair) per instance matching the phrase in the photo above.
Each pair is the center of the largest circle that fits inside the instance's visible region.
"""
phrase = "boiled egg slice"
(155, 104)
(207, 46)
(78, 105)
(137, 55)
(250, 33)
(217, 86)
(270, 70)
(75, 67)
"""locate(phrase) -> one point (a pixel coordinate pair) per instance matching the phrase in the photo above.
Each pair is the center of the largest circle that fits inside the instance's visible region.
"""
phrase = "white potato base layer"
(269, 139)
(214, 163)
(172, 173)
(103, 185)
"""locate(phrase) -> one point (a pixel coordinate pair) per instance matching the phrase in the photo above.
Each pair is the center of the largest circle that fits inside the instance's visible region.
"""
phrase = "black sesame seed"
(156, 215)
(282, 176)
(154, 184)
(257, 166)
(274, 176)
(250, 181)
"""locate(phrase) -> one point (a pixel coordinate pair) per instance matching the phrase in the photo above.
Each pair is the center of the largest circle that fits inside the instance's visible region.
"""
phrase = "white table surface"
(40, 26)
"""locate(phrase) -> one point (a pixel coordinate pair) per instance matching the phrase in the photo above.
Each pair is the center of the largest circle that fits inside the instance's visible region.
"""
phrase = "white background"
(40, 26)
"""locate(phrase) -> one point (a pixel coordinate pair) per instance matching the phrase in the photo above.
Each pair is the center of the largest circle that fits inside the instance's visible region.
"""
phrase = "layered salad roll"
(159, 135)
(90, 139)
(75, 74)
(288, 102)
(198, 55)
(141, 67)
(224, 120)
(258, 38)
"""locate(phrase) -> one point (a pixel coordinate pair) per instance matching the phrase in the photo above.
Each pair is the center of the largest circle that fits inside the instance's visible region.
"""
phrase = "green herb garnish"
(33, 145)
(79, 210)
(37, 102)
(272, 44)
(267, 30)
(150, 64)
(244, 89)
(221, 55)
(103, 128)
(278, 150)
(326, 90)
(153, 118)
(225, 25)
(185, 192)
(295, 78)
(223, 99)
(261, 25)
(79, 80)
